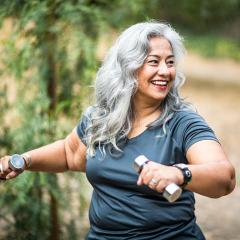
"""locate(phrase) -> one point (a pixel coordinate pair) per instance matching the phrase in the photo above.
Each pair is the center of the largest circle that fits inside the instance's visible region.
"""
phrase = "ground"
(214, 89)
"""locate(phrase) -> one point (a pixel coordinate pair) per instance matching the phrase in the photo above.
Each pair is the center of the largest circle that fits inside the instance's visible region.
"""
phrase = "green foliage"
(196, 15)
(213, 46)
(50, 53)
(5, 139)
(27, 207)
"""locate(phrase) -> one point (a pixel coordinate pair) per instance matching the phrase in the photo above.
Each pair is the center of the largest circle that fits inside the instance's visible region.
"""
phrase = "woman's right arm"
(62, 155)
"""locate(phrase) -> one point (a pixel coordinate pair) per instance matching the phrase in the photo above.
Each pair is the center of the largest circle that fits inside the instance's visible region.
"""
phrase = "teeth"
(160, 82)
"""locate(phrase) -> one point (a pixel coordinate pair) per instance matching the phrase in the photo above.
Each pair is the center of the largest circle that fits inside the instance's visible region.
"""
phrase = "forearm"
(213, 179)
(49, 158)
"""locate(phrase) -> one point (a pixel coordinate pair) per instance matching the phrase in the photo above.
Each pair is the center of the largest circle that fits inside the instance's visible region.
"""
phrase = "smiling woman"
(156, 76)
(138, 111)
(117, 82)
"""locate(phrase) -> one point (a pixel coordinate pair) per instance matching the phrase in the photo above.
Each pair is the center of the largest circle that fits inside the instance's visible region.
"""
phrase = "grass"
(213, 46)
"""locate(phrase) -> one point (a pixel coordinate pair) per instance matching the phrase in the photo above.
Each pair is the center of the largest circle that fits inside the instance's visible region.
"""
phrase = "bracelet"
(28, 160)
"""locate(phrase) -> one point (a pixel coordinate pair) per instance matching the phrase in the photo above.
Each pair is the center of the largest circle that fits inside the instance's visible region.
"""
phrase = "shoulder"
(89, 111)
(187, 123)
(87, 115)
(84, 123)
(186, 113)
(184, 117)
(188, 127)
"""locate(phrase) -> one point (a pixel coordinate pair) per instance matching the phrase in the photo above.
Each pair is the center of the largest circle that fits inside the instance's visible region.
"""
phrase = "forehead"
(160, 45)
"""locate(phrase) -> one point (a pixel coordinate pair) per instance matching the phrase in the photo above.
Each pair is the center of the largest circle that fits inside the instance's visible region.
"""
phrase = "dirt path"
(218, 71)
(214, 88)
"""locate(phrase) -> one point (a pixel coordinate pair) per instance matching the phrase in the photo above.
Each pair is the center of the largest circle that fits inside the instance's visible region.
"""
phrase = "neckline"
(133, 139)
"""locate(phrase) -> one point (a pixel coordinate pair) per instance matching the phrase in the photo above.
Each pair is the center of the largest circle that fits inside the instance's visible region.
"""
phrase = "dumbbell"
(172, 192)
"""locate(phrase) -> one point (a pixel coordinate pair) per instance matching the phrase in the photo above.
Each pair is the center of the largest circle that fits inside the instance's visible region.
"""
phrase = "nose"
(163, 69)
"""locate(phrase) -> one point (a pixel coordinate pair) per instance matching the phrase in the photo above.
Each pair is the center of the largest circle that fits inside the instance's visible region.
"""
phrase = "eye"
(170, 63)
(153, 62)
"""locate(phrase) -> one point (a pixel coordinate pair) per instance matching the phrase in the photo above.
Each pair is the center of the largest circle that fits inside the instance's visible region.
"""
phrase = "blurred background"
(50, 51)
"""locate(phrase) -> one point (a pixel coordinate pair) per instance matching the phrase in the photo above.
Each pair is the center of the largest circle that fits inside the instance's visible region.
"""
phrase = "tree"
(50, 52)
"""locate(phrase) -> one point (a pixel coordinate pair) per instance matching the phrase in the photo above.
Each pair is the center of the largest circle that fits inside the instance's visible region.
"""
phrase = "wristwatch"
(16, 163)
(187, 175)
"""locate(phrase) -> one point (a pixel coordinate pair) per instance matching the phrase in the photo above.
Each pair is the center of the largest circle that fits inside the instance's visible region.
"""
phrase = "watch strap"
(187, 175)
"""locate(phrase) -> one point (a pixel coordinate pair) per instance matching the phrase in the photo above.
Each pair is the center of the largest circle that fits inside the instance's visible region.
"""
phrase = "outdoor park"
(50, 52)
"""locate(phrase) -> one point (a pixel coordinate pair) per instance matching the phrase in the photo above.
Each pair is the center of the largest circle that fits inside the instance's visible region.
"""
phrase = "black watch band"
(187, 175)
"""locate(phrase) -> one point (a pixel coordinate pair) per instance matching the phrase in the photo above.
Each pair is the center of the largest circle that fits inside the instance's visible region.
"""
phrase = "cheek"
(143, 75)
(173, 73)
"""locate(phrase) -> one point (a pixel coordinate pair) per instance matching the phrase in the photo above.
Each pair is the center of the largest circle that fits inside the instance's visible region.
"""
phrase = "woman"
(138, 111)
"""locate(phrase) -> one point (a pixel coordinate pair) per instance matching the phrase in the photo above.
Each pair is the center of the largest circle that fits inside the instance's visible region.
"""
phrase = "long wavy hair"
(116, 83)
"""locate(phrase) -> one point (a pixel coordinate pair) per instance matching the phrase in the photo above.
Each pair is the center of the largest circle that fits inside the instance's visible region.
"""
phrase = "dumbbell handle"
(172, 192)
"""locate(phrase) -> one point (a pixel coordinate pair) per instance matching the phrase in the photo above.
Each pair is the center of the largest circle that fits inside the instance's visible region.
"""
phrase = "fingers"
(148, 173)
(12, 174)
(157, 184)
(5, 171)
(155, 176)
(139, 181)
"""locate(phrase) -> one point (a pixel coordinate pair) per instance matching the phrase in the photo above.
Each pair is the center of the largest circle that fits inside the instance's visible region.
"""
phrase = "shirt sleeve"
(83, 125)
(193, 128)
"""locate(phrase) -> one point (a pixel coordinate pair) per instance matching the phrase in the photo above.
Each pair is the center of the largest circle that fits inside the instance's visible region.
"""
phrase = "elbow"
(228, 184)
(231, 187)
(231, 182)
(225, 190)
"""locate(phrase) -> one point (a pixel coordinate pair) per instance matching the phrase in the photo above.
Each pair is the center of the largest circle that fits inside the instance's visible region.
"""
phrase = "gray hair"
(116, 84)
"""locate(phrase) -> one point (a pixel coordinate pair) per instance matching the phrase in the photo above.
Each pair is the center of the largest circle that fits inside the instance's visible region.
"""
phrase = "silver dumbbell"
(172, 192)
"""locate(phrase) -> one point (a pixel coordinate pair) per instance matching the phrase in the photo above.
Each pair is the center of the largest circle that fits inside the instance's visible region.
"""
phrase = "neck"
(145, 112)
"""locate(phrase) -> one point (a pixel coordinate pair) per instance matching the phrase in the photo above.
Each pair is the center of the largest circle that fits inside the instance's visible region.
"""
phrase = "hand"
(5, 171)
(157, 176)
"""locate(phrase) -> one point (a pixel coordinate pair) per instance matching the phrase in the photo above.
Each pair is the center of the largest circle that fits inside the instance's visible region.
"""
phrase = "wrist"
(27, 159)
(179, 176)
(185, 172)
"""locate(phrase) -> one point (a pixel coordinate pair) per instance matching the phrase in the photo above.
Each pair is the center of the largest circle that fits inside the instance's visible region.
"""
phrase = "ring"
(153, 182)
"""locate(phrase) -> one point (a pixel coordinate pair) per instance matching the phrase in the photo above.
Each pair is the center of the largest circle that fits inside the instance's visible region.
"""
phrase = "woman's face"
(156, 76)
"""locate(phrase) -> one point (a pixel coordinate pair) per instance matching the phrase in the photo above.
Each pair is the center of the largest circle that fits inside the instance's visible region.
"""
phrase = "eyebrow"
(152, 55)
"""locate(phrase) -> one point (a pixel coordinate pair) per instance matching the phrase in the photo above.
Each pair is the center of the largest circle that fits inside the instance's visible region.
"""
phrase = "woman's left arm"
(212, 173)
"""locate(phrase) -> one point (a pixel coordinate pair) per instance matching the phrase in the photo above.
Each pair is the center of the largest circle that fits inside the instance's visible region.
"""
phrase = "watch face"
(17, 162)
(188, 173)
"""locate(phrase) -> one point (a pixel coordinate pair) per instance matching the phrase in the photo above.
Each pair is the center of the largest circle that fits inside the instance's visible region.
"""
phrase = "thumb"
(11, 175)
(139, 181)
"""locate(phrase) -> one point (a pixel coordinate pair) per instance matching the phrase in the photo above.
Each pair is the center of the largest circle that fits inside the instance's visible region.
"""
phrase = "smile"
(159, 82)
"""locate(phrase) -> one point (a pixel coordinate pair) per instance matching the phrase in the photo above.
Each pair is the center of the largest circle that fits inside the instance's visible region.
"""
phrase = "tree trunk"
(55, 229)
(52, 94)
(51, 81)
(50, 39)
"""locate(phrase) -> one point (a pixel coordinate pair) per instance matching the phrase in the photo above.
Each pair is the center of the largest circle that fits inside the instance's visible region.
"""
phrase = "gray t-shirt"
(120, 209)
